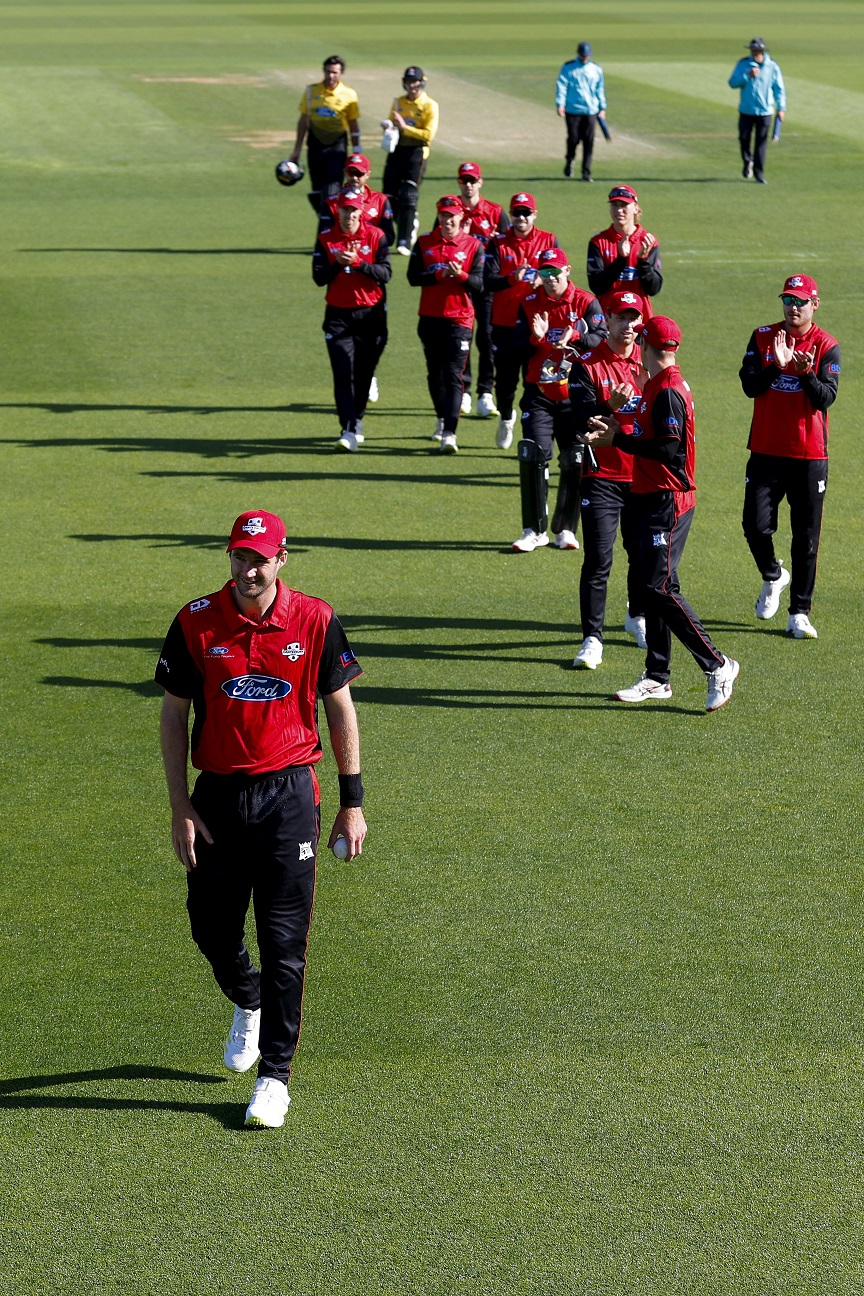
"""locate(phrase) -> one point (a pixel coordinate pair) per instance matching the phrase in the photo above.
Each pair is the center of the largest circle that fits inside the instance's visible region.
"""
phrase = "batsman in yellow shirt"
(415, 117)
(329, 114)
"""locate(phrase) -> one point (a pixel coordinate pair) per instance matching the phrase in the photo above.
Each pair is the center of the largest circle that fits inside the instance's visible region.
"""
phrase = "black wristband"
(350, 790)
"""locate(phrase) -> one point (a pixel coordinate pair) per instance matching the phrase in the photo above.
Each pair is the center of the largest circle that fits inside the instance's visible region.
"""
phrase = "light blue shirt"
(758, 92)
(579, 88)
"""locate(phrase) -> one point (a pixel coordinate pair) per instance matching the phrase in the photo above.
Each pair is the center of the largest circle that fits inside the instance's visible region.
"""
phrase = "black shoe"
(761, 180)
(568, 169)
(747, 172)
(587, 179)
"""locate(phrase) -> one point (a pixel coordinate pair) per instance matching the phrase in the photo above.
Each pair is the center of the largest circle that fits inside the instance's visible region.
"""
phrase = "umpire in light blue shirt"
(581, 99)
(760, 81)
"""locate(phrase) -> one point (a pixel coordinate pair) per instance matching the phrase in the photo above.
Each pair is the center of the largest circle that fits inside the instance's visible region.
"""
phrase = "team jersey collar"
(278, 617)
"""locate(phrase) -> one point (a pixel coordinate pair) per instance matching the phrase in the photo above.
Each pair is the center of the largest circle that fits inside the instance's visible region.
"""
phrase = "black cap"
(583, 49)
(757, 43)
(414, 74)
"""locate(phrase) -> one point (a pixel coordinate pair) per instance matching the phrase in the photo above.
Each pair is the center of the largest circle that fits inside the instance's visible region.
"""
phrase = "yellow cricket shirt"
(421, 119)
(330, 112)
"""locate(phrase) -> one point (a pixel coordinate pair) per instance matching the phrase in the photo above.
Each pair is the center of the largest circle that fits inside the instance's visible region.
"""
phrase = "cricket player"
(329, 116)
(415, 117)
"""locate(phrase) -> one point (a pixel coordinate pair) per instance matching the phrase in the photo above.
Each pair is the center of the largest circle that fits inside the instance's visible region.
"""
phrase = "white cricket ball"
(340, 848)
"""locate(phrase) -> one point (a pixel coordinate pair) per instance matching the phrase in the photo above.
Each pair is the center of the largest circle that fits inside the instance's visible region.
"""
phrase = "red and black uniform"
(605, 489)
(355, 318)
(482, 221)
(446, 314)
(376, 211)
(663, 492)
(610, 272)
(788, 452)
(254, 688)
(505, 255)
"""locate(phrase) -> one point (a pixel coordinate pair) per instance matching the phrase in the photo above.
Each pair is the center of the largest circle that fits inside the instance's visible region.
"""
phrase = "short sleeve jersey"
(254, 685)
(330, 113)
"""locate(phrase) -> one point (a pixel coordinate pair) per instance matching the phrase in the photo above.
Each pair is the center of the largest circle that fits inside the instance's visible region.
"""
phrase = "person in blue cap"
(760, 81)
(580, 99)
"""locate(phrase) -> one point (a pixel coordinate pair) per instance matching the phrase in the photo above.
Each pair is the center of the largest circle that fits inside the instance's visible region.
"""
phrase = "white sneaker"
(636, 627)
(590, 655)
(439, 430)
(769, 596)
(645, 690)
(415, 230)
(566, 540)
(373, 390)
(448, 443)
(466, 403)
(504, 435)
(485, 405)
(347, 441)
(799, 626)
(241, 1046)
(529, 541)
(270, 1099)
(358, 432)
(720, 684)
(403, 249)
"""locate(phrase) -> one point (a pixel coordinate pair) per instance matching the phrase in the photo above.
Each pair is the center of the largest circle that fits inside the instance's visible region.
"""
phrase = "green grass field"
(586, 1017)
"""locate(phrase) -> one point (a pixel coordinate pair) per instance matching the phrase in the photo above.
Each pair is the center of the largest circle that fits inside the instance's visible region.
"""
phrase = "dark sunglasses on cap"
(788, 300)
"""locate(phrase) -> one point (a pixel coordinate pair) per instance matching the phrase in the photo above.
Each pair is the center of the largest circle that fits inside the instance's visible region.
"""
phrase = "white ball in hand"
(340, 848)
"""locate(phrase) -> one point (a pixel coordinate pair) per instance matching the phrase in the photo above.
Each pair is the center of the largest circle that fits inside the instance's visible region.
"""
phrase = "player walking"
(625, 257)
(329, 116)
(482, 219)
(376, 206)
(580, 98)
(415, 117)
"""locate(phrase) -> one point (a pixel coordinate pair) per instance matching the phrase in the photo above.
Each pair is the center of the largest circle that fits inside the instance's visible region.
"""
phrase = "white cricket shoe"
(465, 407)
(530, 540)
(590, 655)
(439, 430)
(720, 684)
(358, 431)
(415, 230)
(636, 627)
(566, 540)
(485, 405)
(241, 1046)
(347, 441)
(799, 626)
(645, 690)
(403, 249)
(373, 390)
(504, 435)
(270, 1099)
(448, 443)
(769, 596)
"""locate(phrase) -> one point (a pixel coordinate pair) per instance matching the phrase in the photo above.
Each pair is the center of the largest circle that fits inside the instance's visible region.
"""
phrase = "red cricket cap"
(800, 286)
(623, 193)
(349, 198)
(552, 257)
(662, 333)
(450, 203)
(358, 162)
(263, 532)
(523, 200)
(470, 169)
(620, 302)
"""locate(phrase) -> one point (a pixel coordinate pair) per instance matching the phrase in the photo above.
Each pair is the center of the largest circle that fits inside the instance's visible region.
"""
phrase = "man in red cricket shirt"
(251, 661)
(353, 263)
(662, 442)
(608, 380)
(625, 257)
(482, 219)
(509, 274)
(790, 371)
(376, 206)
(448, 266)
(550, 320)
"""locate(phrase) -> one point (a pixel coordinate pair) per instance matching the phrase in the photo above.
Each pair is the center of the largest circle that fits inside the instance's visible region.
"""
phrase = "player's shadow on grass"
(297, 545)
(505, 481)
(184, 445)
(229, 1115)
(171, 251)
(146, 688)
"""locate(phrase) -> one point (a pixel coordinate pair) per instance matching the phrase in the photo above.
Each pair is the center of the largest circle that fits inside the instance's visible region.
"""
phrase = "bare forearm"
(175, 755)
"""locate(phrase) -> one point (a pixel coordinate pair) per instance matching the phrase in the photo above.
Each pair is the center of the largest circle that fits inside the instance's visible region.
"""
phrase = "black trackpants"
(445, 346)
(509, 359)
(483, 342)
(265, 838)
(661, 537)
(546, 421)
(770, 479)
(580, 130)
(326, 167)
(747, 126)
(403, 173)
(355, 340)
(604, 505)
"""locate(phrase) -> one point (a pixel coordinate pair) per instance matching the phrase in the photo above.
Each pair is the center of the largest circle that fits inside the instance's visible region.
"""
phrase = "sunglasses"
(358, 175)
(788, 300)
(522, 211)
(470, 179)
(549, 273)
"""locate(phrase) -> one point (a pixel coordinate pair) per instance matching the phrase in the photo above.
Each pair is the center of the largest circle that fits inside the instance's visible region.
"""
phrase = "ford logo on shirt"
(256, 688)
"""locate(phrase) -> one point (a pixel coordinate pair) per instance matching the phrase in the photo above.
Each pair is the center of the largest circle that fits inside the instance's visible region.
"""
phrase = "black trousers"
(483, 342)
(605, 504)
(509, 359)
(355, 340)
(661, 537)
(326, 167)
(770, 479)
(580, 130)
(265, 839)
(445, 346)
(403, 172)
(747, 125)
(546, 421)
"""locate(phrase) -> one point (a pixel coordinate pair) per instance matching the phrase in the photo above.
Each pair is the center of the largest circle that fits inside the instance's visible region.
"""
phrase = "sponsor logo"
(256, 688)
(198, 605)
(820, 486)
(671, 422)
(628, 273)
(437, 265)
(347, 657)
(631, 299)
(164, 664)
(530, 275)
(795, 282)
(255, 526)
(660, 541)
(643, 407)
(554, 335)
(586, 503)
(465, 346)
(217, 652)
(833, 368)
(631, 406)
(766, 328)
(306, 851)
(637, 429)
(786, 383)
(325, 112)
(293, 652)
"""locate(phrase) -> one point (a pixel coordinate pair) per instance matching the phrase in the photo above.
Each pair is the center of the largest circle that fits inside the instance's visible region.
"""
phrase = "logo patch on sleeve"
(347, 657)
